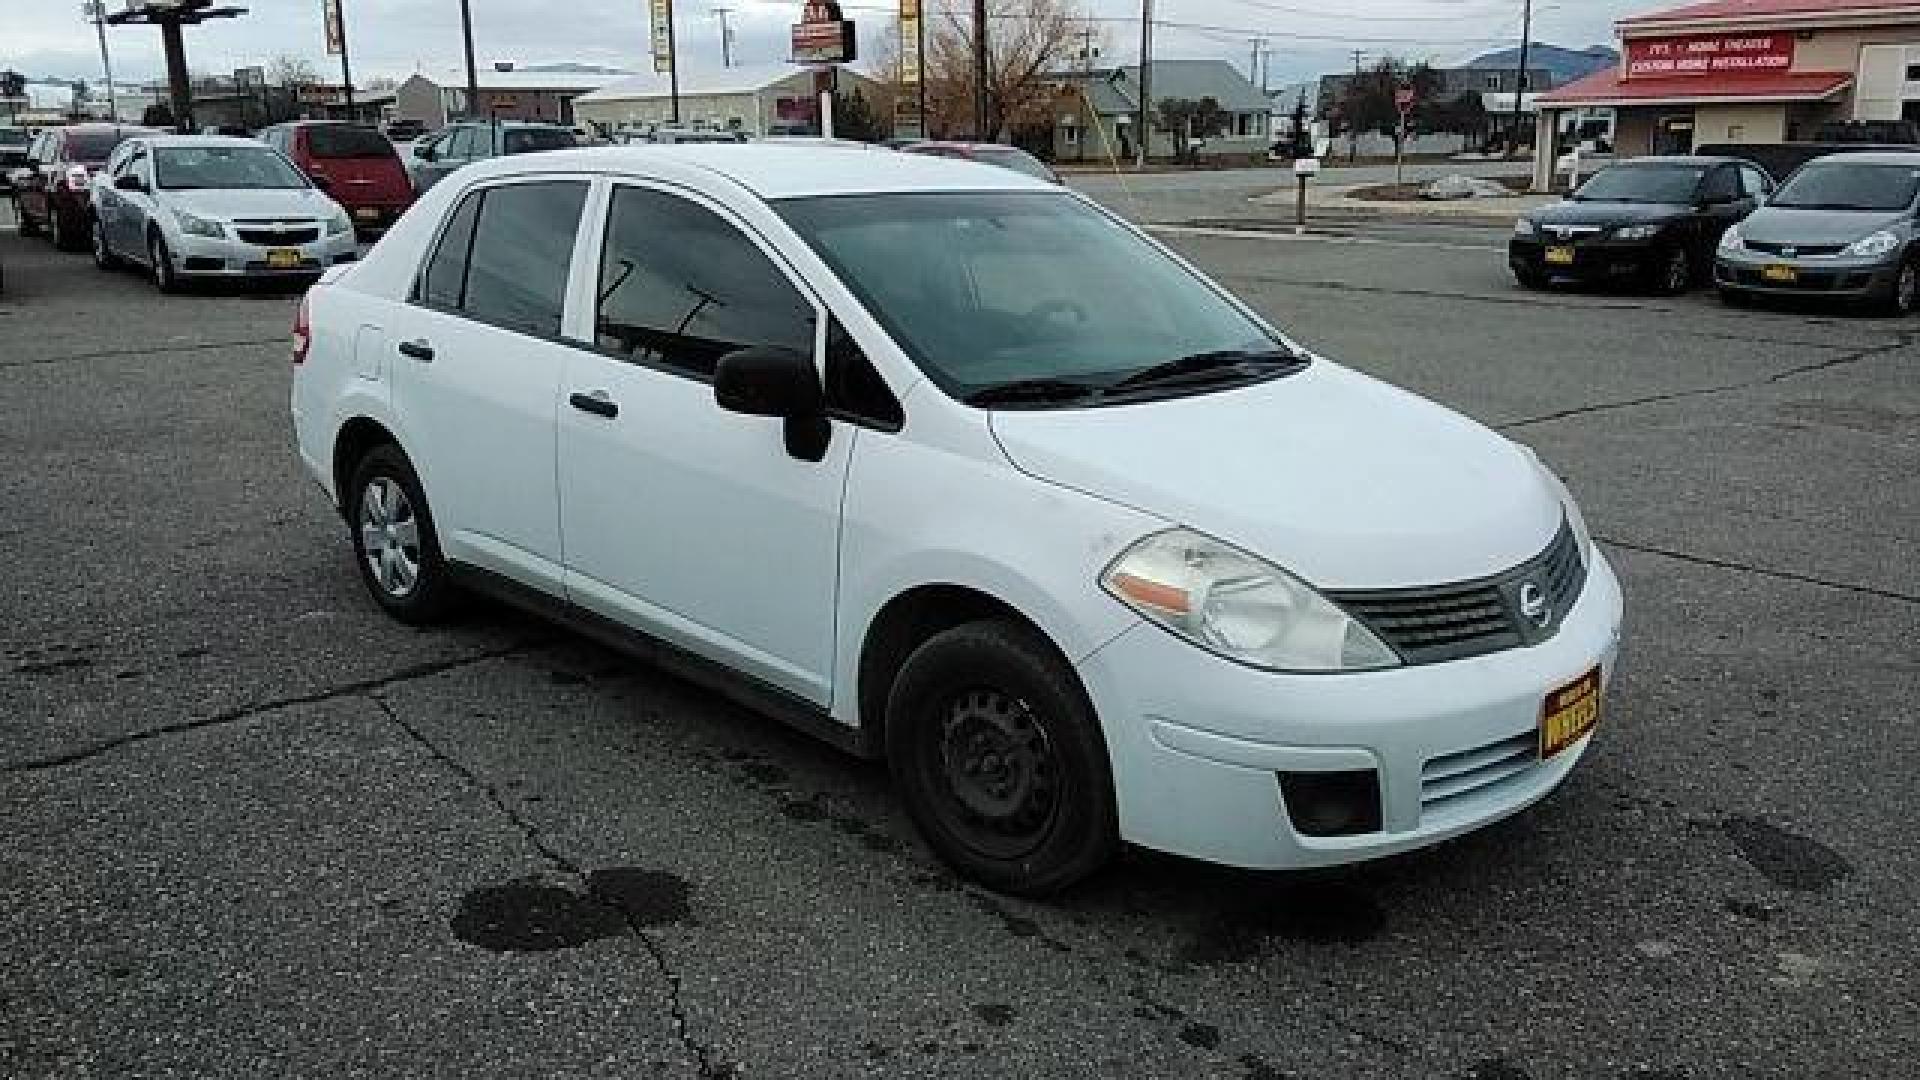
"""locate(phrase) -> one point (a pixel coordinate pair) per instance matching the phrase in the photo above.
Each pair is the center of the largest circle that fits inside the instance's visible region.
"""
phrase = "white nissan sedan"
(949, 465)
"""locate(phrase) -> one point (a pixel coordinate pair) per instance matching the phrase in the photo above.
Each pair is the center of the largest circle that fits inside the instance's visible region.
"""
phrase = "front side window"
(681, 287)
(1754, 182)
(988, 291)
(223, 167)
(460, 144)
(1843, 185)
(521, 253)
(1722, 184)
(533, 140)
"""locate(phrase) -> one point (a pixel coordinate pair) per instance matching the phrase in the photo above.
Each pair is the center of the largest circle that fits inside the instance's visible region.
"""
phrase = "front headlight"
(195, 225)
(1637, 232)
(1239, 606)
(1868, 247)
(1525, 227)
(1732, 240)
(338, 223)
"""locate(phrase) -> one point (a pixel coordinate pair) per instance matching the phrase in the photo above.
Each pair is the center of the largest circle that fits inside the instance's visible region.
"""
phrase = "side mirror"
(129, 182)
(769, 381)
(324, 183)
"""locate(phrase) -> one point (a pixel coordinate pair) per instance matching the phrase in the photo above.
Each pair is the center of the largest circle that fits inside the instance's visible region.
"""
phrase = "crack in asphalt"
(146, 350)
(1905, 340)
(246, 712)
(700, 1053)
(1782, 575)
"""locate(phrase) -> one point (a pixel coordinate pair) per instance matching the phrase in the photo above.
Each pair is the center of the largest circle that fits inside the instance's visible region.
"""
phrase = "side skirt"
(740, 688)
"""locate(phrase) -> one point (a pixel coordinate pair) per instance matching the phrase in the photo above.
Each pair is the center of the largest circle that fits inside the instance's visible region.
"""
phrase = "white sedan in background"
(949, 465)
(191, 206)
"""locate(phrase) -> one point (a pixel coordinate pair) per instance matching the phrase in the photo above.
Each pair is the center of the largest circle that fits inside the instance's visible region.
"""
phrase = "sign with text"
(910, 42)
(1714, 54)
(822, 36)
(662, 14)
(330, 18)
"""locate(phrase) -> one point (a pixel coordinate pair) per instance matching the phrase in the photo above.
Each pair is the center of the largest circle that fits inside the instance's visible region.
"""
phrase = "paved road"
(1178, 196)
(252, 828)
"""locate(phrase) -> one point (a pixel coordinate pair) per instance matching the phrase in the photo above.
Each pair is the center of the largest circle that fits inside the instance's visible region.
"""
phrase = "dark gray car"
(462, 144)
(1841, 227)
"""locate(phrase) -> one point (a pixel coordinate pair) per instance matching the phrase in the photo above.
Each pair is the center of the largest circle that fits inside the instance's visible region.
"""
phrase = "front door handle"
(596, 403)
(418, 349)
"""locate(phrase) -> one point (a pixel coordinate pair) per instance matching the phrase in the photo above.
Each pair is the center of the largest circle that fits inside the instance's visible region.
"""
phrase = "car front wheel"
(1000, 761)
(66, 231)
(1673, 271)
(24, 224)
(394, 541)
(103, 256)
(160, 261)
(1905, 295)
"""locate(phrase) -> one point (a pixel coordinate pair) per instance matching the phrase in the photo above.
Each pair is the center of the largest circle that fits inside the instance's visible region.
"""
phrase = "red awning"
(1608, 88)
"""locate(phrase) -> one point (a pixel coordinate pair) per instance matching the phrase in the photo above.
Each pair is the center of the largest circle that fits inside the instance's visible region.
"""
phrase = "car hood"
(228, 203)
(1788, 225)
(1343, 480)
(1570, 212)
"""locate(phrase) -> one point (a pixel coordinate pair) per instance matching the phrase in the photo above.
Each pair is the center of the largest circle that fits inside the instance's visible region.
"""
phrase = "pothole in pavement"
(531, 915)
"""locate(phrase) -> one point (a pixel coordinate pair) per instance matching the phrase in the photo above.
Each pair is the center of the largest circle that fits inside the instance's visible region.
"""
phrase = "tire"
(1530, 278)
(1904, 297)
(394, 543)
(160, 264)
(24, 224)
(1735, 298)
(103, 256)
(66, 231)
(1672, 273)
(999, 759)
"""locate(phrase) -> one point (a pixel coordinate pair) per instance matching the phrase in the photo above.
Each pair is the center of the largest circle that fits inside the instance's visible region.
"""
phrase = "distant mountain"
(1566, 65)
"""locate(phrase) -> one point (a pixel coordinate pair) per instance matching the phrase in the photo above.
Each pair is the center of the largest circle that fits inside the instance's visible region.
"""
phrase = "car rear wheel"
(1673, 273)
(1737, 298)
(394, 541)
(24, 224)
(160, 262)
(66, 231)
(1529, 278)
(103, 256)
(999, 759)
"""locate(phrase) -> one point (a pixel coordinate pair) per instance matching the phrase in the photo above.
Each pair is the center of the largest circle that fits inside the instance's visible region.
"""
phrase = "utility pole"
(1145, 134)
(673, 69)
(346, 68)
(1353, 126)
(980, 72)
(1086, 50)
(726, 36)
(473, 77)
(1253, 66)
(1520, 80)
(96, 12)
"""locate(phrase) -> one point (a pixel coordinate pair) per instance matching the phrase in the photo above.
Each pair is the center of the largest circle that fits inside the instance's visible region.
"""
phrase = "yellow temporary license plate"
(1569, 714)
(368, 213)
(1560, 255)
(283, 258)
(1779, 272)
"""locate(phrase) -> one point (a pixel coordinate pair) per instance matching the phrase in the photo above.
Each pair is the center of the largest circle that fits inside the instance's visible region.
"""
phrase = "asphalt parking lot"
(251, 827)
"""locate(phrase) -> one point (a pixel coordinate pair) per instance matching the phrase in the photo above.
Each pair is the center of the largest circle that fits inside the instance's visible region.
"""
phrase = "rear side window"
(681, 287)
(533, 140)
(522, 249)
(444, 284)
(347, 141)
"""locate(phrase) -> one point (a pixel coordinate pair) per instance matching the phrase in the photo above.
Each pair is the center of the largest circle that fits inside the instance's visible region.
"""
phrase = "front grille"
(1809, 250)
(1456, 776)
(1472, 618)
(278, 237)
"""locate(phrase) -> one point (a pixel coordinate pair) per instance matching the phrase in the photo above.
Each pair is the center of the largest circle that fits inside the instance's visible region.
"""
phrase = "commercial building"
(545, 93)
(754, 99)
(1748, 71)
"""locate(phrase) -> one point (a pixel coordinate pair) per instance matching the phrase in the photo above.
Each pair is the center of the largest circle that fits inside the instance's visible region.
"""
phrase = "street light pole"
(1520, 79)
(980, 71)
(346, 67)
(1144, 136)
(473, 77)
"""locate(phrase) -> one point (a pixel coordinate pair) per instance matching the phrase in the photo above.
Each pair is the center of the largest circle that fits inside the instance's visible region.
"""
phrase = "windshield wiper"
(1032, 390)
(1208, 367)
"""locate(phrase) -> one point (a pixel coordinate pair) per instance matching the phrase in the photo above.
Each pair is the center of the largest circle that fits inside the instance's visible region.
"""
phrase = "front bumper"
(1197, 742)
(1825, 276)
(230, 257)
(1594, 258)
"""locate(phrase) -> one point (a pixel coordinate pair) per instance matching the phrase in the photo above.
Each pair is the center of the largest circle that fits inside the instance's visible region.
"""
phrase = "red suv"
(55, 192)
(351, 162)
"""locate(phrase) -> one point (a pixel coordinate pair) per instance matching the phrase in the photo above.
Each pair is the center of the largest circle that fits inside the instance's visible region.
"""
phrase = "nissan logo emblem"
(1533, 604)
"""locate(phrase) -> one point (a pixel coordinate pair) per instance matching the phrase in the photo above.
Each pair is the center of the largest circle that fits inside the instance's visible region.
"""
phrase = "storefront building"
(1747, 71)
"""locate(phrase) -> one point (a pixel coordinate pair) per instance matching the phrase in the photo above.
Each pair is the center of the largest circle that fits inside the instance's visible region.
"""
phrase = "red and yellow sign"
(1712, 54)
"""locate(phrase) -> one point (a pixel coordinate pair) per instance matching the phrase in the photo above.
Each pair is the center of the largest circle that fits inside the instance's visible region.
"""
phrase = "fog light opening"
(1332, 803)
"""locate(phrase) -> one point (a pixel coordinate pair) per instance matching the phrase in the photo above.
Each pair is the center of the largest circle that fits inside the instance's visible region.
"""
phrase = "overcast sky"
(395, 37)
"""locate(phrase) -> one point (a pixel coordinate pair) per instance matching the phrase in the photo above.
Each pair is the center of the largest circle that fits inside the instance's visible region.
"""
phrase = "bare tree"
(290, 70)
(1026, 39)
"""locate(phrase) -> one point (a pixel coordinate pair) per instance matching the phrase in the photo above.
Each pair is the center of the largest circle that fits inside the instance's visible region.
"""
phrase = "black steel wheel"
(1673, 271)
(1000, 760)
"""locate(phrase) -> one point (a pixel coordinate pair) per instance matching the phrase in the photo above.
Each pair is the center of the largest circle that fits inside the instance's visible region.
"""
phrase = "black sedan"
(1654, 221)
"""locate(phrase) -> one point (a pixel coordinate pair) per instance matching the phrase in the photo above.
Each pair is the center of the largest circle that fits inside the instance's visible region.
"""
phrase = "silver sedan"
(188, 206)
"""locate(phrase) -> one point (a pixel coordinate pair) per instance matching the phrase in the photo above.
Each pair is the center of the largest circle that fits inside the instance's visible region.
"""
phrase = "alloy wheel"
(390, 537)
(102, 255)
(162, 267)
(1679, 272)
(1000, 772)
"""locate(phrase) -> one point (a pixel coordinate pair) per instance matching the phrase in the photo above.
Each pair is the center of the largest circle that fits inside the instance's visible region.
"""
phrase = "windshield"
(177, 167)
(347, 141)
(989, 289)
(1643, 184)
(1850, 186)
(533, 140)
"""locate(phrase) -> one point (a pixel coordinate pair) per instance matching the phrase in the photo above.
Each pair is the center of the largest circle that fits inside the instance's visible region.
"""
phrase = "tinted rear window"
(533, 140)
(12, 137)
(341, 141)
(94, 144)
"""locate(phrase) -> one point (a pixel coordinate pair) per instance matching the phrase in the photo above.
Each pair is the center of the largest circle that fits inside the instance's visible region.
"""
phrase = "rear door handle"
(418, 349)
(596, 403)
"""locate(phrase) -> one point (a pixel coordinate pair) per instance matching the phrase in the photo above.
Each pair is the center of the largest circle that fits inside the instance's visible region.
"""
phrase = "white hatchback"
(948, 465)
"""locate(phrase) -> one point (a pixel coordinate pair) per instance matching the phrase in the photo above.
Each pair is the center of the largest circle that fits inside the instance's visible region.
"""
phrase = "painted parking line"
(1324, 238)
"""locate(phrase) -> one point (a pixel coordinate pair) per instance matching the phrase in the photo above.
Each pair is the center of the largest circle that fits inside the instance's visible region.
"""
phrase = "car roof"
(956, 144)
(777, 171)
(201, 140)
(1907, 158)
(1655, 160)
